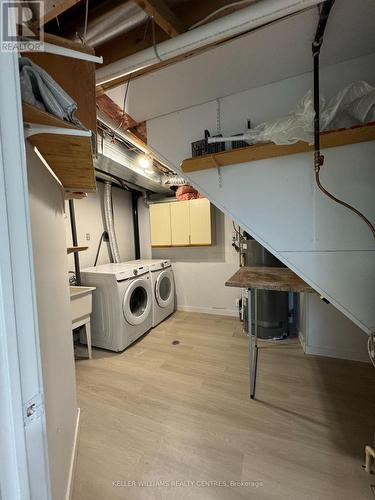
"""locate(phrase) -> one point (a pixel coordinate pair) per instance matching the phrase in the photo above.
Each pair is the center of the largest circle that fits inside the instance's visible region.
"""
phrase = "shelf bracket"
(31, 129)
(51, 48)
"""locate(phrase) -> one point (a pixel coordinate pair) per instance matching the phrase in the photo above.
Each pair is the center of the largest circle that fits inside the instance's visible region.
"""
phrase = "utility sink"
(81, 304)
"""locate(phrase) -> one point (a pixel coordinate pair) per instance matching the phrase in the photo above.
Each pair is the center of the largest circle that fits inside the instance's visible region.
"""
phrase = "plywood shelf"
(69, 157)
(76, 249)
(262, 151)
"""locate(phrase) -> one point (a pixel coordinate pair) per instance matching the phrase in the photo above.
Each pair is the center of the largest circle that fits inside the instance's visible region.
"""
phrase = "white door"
(164, 288)
(23, 452)
(136, 304)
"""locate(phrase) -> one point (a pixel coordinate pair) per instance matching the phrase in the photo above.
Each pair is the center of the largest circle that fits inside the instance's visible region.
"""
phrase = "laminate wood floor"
(178, 418)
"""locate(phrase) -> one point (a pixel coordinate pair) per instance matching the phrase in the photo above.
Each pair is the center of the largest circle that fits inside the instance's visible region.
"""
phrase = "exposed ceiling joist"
(53, 8)
(129, 43)
(163, 16)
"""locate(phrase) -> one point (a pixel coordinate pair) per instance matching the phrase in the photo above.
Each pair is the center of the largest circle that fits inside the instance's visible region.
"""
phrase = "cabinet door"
(200, 222)
(160, 220)
(180, 223)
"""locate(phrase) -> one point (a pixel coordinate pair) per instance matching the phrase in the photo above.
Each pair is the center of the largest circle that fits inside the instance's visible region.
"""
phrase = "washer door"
(136, 304)
(164, 288)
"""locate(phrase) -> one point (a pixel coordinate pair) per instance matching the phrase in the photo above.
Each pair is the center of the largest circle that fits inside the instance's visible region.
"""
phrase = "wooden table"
(280, 279)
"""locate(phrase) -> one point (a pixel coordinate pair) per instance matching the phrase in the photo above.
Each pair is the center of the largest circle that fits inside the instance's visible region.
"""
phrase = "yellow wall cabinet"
(181, 223)
(160, 220)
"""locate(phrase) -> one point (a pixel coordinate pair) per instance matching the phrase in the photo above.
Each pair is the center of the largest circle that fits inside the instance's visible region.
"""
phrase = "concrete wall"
(201, 272)
(53, 303)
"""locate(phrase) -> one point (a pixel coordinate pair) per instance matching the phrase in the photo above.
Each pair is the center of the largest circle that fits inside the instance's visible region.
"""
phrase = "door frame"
(23, 451)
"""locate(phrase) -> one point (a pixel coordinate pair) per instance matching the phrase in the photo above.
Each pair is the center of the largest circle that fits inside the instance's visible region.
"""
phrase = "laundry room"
(187, 204)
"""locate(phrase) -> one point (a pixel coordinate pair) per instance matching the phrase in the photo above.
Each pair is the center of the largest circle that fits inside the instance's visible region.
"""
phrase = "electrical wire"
(221, 9)
(124, 104)
(86, 21)
(237, 231)
(154, 40)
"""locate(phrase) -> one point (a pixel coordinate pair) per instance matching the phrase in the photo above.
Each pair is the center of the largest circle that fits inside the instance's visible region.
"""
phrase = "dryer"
(122, 307)
(163, 287)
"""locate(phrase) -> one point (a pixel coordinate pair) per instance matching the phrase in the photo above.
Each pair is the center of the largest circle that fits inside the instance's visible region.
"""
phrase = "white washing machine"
(162, 282)
(122, 304)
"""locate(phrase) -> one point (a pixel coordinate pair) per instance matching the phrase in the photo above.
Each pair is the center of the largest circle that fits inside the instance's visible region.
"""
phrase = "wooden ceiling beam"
(53, 8)
(163, 16)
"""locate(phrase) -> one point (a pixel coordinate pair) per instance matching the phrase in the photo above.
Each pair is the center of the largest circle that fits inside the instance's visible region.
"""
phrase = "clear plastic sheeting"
(353, 105)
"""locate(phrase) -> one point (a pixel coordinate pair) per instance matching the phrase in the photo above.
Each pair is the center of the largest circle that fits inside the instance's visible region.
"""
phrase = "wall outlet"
(88, 236)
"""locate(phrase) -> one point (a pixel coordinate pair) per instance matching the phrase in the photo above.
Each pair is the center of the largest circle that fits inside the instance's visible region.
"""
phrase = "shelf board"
(76, 249)
(262, 151)
(70, 157)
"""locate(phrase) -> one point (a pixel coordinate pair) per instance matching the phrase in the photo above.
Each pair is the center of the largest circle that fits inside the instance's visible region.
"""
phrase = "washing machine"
(162, 282)
(122, 309)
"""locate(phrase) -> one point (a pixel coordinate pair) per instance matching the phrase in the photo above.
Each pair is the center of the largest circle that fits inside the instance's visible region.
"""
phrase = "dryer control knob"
(135, 272)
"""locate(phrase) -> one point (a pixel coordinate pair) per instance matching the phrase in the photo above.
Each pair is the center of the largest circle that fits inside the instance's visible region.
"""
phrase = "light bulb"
(144, 161)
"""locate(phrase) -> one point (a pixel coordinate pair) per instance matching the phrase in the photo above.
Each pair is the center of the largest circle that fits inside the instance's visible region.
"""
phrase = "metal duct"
(242, 21)
(120, 19)
(109, 223)
(174, 180)
(117, 160)
(131, 139)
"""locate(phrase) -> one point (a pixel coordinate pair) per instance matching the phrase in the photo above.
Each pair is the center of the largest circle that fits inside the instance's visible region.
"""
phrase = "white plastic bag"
(352, 105)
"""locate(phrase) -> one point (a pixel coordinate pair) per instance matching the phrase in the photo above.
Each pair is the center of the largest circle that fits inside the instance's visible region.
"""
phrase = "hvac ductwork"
(235, 24)
(109, 222)
(118, 20)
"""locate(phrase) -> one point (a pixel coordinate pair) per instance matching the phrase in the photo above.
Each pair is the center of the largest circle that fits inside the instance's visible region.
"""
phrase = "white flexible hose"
(109, 223)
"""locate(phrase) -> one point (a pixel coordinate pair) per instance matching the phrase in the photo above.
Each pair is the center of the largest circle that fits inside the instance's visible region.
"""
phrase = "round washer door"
(164, 288)
(136, 304)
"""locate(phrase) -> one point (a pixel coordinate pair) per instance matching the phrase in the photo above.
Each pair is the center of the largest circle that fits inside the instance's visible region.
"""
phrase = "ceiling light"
(144, 161)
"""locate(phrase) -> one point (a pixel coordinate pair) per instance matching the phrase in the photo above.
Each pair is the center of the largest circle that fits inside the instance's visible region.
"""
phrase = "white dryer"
(122, 304)
(163, 287)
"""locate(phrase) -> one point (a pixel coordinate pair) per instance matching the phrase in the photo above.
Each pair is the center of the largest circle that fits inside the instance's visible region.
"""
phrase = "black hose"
(104, 233)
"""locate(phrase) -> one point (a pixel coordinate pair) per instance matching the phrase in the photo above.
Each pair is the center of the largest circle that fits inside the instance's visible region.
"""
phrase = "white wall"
(201, 272)
(90, 219)
(54, 317)
(324, 331)
(275, 52)
(276, 200)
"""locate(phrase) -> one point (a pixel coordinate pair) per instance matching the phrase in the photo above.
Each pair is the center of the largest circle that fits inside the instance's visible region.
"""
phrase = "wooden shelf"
(262, 151)
(70, 157)
(76, 249)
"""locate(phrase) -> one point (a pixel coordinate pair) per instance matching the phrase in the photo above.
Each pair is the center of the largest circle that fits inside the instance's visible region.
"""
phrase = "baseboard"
(69, 489)
(338, 354)
(209, 310)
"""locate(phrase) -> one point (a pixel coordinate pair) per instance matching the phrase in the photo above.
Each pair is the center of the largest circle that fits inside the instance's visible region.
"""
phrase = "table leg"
(250, 353)
(88, 339)
(255, 350)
